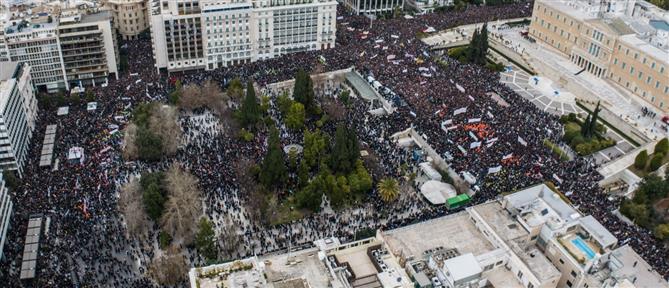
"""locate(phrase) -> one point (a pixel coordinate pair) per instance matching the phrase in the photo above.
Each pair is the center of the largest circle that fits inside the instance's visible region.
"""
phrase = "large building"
(131, 17)
(88, 47)
(6, 208)
(18, 113)
(210, 34)
(62, 46)
(374, 7)
(527, 239)
(625, 42)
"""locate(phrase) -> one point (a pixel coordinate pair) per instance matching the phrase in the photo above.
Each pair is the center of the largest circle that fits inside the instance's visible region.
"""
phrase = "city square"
(297, 157)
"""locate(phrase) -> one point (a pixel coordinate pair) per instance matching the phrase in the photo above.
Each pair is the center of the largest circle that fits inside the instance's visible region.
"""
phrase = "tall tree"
(274, 172)
(345, 150)
(303, 91)
(205, 239)
(250, 110)
(184, 205)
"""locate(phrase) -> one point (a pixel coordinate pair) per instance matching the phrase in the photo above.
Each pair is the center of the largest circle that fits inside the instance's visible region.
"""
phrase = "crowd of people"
(452, 104)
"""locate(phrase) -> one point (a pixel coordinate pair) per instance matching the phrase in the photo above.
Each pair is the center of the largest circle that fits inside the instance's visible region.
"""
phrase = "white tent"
(76, 154)
(437, 192)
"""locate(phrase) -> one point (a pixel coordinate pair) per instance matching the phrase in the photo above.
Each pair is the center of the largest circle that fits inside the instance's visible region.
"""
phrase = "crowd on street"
(486, 130)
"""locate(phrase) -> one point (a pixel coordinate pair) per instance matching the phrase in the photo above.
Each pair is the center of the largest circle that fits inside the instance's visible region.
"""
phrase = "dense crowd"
(86, 243)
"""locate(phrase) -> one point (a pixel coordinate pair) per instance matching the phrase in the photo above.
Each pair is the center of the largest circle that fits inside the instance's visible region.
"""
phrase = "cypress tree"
(274, 172)
(250, 110)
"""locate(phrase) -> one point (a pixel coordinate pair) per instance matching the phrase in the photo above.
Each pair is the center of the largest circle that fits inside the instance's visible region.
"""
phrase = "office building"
(88, 47)
(6, 207)
(18, 113)
(63, 46)
(373, 7)
(624, 42)
(130, 17)
(212, 34)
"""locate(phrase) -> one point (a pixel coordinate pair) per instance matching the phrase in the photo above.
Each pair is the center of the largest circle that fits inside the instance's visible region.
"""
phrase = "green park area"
(645, 163)
(649, 208)
(477, 51)
(585, 136)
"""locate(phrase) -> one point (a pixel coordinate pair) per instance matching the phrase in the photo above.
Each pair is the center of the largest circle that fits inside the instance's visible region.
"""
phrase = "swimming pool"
(581, 245)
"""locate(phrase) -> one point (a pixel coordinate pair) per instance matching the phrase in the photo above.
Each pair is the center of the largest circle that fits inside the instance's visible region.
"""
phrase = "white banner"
(493, 170)
(507, 156)
(475, 145)
(474, 120)
(473, 136)
(460, 111)
(460, 88)
(521, 141)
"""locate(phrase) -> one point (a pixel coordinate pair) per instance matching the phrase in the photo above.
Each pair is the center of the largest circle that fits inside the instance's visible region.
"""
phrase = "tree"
(303, 174)
(164, 240)
(90, 96)
(75, 99)
(641, 159)
(303, 91)
(131, 206)
(169, 268)
(11, 180)
(656, 162)
(315, 145)
(150, 145)
(589, 127)
(184, 205)
(359, 180)
(652, 188)
(235, 89)
(388, 189)
(295, 117)
(205, 240)
(345, 150)
(163, 122)
(284, 103)
(274, 172)
(191, 97)
(153, 194)
(175, 96)
(250, 110)
(662, 231)
(662, 146)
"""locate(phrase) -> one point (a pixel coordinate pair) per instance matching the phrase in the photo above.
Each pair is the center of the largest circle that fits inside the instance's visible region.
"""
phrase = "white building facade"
(18, 113)
(373, 7)
(6, 207)
(219, 33)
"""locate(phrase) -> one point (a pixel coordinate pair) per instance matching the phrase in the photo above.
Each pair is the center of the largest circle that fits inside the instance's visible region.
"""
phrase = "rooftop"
(539, 204)
(500, 221)
(451, 231)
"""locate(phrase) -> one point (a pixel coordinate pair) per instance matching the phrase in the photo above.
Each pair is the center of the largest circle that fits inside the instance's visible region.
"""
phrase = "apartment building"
(88, 47)
(373, 7)
(18, 113)
(37, 45)
(211, 34)
(624, 42)
(62, 46)
(6, 209)
(131, 17)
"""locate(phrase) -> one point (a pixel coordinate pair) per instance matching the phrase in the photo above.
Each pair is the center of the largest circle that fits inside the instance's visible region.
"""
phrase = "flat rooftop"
(303, 265)
(500, 220)
(451, 231)
(357, 260)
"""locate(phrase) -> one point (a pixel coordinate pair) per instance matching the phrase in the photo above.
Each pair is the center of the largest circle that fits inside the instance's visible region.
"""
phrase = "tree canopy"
(273, 172)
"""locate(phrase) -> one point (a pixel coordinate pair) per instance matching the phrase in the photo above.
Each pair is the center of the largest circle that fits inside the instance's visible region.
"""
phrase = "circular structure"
(437, 192)
(293, 147)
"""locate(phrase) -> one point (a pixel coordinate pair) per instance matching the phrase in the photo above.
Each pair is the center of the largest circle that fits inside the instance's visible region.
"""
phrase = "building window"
(530, 285)
(569, 283)
(561, 262)
(520, 274)
(573, 274)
